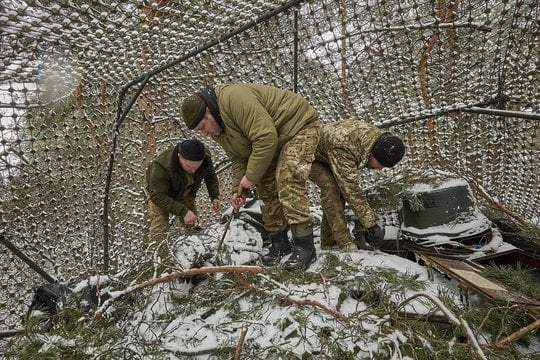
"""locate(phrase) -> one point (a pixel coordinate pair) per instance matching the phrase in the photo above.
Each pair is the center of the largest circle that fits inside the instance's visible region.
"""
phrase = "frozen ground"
(288, 318)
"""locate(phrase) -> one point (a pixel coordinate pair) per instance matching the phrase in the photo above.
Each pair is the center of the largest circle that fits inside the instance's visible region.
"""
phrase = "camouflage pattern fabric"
(344, 148)
(333, 232)
(258, 120)
(283, 187)
(159, 228)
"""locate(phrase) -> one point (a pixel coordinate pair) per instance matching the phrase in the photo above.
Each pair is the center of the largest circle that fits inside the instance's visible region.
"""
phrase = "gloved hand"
(375, 236)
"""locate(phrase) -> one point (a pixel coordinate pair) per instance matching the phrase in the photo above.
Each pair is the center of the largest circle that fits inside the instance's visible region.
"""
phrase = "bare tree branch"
(453, 319)
(177, 275)
(240, 342)
(286, 298)
(518, 334)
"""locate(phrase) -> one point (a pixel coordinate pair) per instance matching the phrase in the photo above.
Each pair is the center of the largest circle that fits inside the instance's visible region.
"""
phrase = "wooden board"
(469, 275)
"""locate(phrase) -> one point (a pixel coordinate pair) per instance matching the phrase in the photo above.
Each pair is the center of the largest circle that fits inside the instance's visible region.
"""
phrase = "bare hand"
(245, 184)
(190, 218)
(237, 201)
(216, 204)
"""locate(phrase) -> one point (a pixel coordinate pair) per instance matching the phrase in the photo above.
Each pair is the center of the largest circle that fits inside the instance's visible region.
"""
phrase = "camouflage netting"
(458, 80)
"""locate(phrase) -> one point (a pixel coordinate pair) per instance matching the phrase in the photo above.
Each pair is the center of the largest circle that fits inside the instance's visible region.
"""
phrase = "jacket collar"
(210, 98)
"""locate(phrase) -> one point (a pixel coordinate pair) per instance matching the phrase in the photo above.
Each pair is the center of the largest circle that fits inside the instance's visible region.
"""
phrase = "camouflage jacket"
(257, 121)
(167, 182)
(345, 147)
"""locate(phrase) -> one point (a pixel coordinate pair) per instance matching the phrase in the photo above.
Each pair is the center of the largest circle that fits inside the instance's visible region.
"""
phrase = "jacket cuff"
(183, 212)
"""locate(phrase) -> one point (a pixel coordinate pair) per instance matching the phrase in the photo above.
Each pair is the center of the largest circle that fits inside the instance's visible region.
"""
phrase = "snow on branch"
(291, 300)
(177, 275)
(452, 318)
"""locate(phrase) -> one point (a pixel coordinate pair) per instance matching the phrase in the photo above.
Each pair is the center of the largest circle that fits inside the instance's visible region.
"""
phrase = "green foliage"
(387, 195)
(296, 277)
(520, 279)
(391, 194)
(75, 335)
(380, 287)
(333, 267)
(331, 347)
(500, 320)
(415, 202)
(439, 348)
(531, 231)
(68, 335)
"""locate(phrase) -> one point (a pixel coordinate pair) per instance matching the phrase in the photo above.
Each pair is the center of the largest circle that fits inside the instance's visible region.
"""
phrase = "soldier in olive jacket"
(344, 148)
(270, 136)
(172, 181)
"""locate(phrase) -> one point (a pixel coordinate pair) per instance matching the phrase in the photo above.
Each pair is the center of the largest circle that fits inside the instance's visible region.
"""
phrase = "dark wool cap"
(193, 109)
(192, 150)
(388, 150)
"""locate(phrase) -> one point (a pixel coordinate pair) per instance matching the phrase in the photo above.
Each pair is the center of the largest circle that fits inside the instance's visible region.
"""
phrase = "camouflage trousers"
(283, 188)
(159, 227)
(334, 228)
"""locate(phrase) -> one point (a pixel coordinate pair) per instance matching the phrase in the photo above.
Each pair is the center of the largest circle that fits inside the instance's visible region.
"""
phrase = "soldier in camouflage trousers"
(344, 148)
(270, 136)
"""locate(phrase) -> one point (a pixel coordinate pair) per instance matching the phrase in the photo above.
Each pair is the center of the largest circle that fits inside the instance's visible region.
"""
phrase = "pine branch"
(433, 318)
(240, 343)
(213, 351)
(453, 320)
(289, 299)
(449, 315)
(177, 275)
(494, 202)
(518, 334)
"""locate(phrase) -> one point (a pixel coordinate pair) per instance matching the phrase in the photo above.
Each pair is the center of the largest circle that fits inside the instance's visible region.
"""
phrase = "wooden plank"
(470, 276)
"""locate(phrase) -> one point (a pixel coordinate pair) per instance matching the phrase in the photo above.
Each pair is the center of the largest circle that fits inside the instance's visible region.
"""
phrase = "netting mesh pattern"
(421, 68)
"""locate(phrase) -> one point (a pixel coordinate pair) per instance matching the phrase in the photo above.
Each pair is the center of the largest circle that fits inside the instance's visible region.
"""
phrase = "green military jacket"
(167, 183)
(257, 121)
(345, 146)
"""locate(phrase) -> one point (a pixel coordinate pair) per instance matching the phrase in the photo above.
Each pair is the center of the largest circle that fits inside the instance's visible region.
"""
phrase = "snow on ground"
(288, 327)
(310, 313)
(288, 317)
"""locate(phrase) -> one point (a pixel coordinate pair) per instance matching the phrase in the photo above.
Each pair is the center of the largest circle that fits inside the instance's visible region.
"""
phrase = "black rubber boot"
(279, 248)
(303, 254)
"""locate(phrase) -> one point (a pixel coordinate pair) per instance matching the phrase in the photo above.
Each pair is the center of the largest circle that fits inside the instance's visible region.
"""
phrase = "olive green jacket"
(257, 121)
(167, 182)
(344, 147)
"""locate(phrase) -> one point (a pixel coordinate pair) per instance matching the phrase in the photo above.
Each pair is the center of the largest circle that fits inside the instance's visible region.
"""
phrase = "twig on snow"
(518, 334)
(177, 275)
(240, 342)
(286, 298)
(452, 318)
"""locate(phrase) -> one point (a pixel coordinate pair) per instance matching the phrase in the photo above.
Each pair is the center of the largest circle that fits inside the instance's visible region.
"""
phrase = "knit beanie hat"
(193, 109)
(388, 150)
(192, 150)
